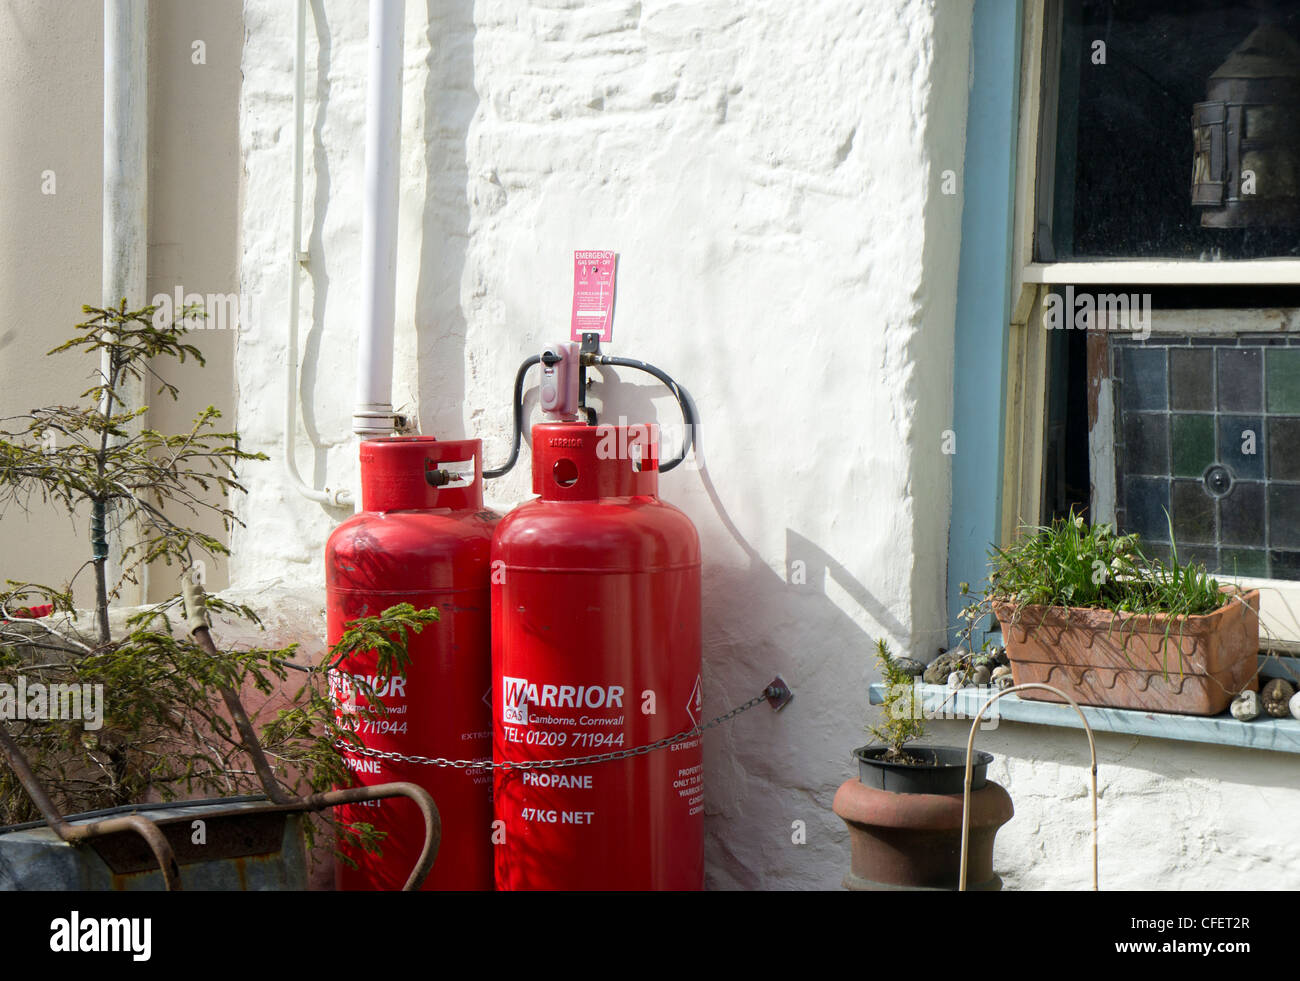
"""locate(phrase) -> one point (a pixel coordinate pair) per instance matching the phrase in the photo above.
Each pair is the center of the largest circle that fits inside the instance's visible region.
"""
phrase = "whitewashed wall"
(769, 174)
(1172, 815)
(771, 180)
(51, 230)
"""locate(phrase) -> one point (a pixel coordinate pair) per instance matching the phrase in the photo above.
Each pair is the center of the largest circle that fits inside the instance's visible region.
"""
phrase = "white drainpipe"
(297, 259)
(374, 415)
(126, 197)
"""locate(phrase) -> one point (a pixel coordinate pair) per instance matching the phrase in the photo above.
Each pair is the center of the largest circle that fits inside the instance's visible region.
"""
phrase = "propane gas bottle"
(423, 541)
(596, 649)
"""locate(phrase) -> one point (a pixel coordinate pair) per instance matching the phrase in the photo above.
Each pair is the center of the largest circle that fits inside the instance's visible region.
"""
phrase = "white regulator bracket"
(559, 389)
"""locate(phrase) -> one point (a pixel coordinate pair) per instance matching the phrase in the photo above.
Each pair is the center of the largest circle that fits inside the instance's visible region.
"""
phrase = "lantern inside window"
(1246, 165)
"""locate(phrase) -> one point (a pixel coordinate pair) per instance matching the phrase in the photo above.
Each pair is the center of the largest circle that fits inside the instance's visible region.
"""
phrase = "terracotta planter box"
(1124, 661)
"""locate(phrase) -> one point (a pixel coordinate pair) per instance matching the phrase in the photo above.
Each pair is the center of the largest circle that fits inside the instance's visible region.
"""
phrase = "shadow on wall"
(318, 271)
(805, 622)
(808, 566)
(810, 637)
(450, 102)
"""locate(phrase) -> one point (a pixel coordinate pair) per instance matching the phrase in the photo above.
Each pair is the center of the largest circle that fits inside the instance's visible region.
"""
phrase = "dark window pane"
(1284, 565)
(1241, 515)
(1193, 514)
(1146, 500)
(1146, 385)
(1125, 148)
(1206, 555)
(1191, 379)
(1146, 443)
(1283, 380)
(1241, 387)
(1243, 562)
(1193, 444)
(1284, 449)
(1154, 550)
(1229, 479)
(1241, 446)
(1284, 516)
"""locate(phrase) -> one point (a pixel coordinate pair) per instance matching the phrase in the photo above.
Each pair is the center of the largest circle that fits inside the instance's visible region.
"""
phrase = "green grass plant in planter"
(1087, 611)
(904, 809)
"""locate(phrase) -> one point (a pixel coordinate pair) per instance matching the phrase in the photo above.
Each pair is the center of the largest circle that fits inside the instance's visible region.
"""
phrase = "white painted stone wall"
(51, 230)
(769, 173)
(1172, 815)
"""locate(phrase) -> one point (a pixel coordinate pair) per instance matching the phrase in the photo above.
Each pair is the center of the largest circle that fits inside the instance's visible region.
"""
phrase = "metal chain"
(622, 754)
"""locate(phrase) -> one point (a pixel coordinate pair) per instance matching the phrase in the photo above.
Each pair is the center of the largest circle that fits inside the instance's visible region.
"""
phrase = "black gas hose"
(684, 403)
(519, 419)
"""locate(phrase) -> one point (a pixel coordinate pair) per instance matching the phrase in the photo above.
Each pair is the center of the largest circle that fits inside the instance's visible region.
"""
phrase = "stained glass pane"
(1207, 440)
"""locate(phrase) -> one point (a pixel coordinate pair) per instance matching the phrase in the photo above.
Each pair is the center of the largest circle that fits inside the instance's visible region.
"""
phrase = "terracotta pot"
(913, 841)
(1123, 661)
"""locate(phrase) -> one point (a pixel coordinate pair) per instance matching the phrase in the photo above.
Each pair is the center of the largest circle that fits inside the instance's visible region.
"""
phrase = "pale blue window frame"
(984, 292)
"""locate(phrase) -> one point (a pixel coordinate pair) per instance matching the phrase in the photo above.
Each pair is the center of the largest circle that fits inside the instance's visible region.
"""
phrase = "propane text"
(561, 780)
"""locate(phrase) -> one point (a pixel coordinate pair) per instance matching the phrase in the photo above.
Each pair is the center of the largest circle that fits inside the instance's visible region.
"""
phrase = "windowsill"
(1278, 735)
(1165, 272)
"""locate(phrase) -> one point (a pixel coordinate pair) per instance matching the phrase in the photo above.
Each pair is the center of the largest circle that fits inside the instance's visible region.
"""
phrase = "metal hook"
(970, 750)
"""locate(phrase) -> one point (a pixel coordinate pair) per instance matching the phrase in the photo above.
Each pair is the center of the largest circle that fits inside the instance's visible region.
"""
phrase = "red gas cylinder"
(596, 648)
(428, 546)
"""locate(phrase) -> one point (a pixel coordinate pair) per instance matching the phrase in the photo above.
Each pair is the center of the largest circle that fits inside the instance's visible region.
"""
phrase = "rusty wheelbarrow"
(232, 843)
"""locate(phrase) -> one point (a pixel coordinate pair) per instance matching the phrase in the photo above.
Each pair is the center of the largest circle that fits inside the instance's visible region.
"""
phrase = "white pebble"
(1246, 706)
(1294, 705)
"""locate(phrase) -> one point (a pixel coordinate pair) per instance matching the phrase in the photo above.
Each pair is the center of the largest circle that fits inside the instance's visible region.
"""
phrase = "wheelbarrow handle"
(423, 800)
(76, 834)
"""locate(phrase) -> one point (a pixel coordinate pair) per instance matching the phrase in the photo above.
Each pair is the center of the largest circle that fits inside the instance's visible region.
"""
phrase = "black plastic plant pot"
(943, 770)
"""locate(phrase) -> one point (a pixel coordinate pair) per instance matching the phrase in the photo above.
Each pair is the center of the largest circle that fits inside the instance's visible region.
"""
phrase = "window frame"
(1027, 342)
